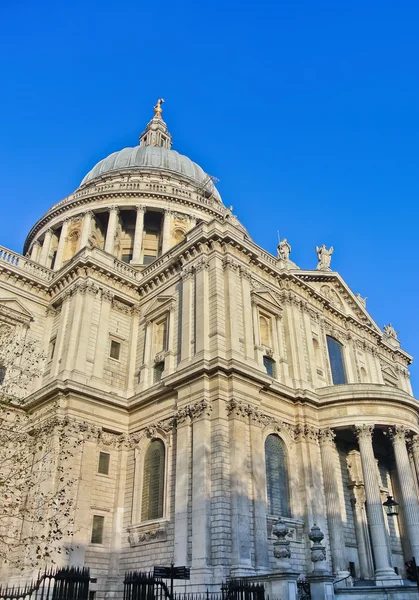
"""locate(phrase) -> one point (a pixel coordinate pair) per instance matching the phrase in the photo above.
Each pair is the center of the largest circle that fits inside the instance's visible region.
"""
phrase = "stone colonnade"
(380, 541)
(40, 252)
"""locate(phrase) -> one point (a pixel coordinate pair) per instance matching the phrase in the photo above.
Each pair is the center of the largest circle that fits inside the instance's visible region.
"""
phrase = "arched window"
(277, 484)
(364, 376)
(153, 482)
(337, 366)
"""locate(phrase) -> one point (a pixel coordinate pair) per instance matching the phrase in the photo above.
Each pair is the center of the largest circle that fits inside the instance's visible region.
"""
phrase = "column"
(230, 294)
(46, 248)
(36, 248)
(379, 537)
(407, 487)
(166, 231)
(333, 508)
(185, 349)
(111, 231)
(201, 306)
(86, 229)
(201, 481)
(259, 496)
(61, 245)
(183, 436)
(361, 530)
(138, 235)
(414, 446)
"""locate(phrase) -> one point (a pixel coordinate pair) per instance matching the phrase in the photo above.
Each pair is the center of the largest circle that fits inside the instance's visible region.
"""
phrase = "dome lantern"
(156, 132)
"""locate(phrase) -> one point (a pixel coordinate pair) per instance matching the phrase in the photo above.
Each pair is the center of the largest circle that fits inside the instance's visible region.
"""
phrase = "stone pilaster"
(231, 292)
(111, 231)
(247, 314)
(217, 308)
(61, 245)
(138, 235)
(117, 524)
(46, 246)
(259, 496)
(186, 327)
(407, 487)
(86, 229)
(379, 537)
(201, 486)
(167, 220)
(414, 447)
(183, 441)
(201, 307)
(361, 531)
(102, 335)
(88, 293)
(240, 521)
(132, 353)
(333, 509)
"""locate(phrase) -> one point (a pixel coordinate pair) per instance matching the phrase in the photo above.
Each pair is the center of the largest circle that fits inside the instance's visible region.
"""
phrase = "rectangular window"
(158, 372)
(269, 365)
(52, 348)
(103, 466)
(126, 258)
(97, 529)
(115, 350)
(337, 366)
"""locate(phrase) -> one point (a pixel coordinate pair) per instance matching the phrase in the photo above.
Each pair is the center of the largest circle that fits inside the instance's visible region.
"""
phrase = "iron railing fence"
(68, 583)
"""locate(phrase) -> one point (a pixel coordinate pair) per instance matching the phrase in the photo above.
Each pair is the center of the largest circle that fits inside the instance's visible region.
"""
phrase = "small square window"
(158, 372)
(126, 258)
(103, 466)
(97, 529)
(115, 350)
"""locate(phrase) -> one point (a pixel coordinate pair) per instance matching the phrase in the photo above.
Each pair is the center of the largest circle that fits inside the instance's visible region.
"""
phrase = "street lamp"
(391, 507)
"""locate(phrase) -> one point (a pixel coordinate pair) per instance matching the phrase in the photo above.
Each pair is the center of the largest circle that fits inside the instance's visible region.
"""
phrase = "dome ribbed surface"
(151, 157)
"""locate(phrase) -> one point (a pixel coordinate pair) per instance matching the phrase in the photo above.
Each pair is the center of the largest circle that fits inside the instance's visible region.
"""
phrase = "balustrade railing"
(25, 264)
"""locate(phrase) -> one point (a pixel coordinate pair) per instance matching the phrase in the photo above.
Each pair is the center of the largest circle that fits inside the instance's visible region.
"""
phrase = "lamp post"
(391, 507)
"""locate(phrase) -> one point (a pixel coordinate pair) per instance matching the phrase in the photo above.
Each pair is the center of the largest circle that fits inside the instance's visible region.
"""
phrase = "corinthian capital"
(398, 433)
(326, 437)
(364, 431)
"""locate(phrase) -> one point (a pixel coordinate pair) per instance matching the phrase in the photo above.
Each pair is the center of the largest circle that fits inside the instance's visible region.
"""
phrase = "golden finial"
(158, 109)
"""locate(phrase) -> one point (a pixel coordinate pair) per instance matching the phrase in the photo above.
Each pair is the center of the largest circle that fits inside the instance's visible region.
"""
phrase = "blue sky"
(307, 112)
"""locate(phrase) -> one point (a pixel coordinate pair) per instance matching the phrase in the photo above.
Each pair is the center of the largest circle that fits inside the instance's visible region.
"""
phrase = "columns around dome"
(134, 234)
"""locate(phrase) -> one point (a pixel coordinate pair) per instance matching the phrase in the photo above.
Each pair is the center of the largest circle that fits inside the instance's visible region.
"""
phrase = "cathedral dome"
(152, 157)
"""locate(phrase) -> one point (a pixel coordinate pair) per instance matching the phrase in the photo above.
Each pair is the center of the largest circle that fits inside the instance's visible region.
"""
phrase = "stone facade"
(210, 345)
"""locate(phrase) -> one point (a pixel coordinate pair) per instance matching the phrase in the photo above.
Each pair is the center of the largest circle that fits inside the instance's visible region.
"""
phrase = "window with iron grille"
(153, 482)
(115, 349)
(277, 483)
(97, 529)
(103, 466)
(269, 365)
(337, 366)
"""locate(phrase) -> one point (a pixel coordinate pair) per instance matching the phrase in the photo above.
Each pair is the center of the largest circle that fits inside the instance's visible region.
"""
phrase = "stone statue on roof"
(324, 257)
(283, 250)
(389, 331)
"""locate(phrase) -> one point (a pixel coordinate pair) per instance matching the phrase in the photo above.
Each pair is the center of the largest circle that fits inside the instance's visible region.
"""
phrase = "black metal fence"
(69, 583)
(303, 589)
(144, 586)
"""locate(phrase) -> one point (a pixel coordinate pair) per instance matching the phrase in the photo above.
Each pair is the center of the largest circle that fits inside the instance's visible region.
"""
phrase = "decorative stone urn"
(282, 551)
(318, 551)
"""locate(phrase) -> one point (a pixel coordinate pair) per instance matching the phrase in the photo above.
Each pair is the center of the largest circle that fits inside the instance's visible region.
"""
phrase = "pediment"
(160, 305)
(339, 296)
(267, 299)
(14, 310)
(389, 372)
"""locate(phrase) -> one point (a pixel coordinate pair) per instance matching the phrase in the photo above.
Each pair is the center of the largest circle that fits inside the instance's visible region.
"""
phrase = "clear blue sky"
(307, 112)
